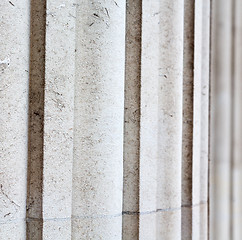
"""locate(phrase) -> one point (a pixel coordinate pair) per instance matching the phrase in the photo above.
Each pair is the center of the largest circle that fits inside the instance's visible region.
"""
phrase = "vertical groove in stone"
(149, 119)
(36, 120)
(204, 119)
(187, 144)
(14, 68)
(236, 123)
(132, 120)
(58, 119)
(170, 97)
(220, 120)
(98, 131)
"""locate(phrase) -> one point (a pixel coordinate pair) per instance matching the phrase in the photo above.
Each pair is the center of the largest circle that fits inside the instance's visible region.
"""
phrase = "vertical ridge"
(58, 119)
(149, 119)
(170, 100)
(205, 80)
(197, 115)
(98, 125)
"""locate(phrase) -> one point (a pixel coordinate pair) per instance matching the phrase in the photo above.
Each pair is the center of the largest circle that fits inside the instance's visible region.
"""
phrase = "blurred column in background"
(221, 117)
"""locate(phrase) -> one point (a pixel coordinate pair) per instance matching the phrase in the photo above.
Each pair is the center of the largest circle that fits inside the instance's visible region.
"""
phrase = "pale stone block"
(167, 224)
(14, 229)
(97, 227)
(147, 226)
(57, 229)
(196, 221)
(204, 221)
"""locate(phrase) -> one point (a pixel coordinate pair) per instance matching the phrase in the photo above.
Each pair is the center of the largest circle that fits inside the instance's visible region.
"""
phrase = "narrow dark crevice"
(36, 120)
(132, 118)
(187, 129)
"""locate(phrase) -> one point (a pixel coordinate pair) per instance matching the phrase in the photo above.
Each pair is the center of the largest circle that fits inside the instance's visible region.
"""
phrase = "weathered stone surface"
(170, 91)
(99, 107)
(14, 68)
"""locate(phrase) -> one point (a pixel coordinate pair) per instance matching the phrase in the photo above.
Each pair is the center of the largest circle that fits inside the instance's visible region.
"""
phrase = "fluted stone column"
(119, 120)
(98, 130)
(14, 67)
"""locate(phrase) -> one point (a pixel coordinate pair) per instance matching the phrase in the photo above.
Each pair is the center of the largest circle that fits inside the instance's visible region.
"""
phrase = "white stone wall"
(120, 119)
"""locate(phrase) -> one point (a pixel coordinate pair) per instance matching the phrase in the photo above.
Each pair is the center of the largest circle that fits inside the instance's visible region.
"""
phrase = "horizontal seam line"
(163, 210)
(73, 217)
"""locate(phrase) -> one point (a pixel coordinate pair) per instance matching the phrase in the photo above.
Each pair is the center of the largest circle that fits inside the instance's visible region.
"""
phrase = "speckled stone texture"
(98, 124)
(104, 120)
(14, 72)
(132, 121)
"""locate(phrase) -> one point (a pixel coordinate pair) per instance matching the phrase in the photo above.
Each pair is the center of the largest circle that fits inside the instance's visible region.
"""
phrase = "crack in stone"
(2, 191)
